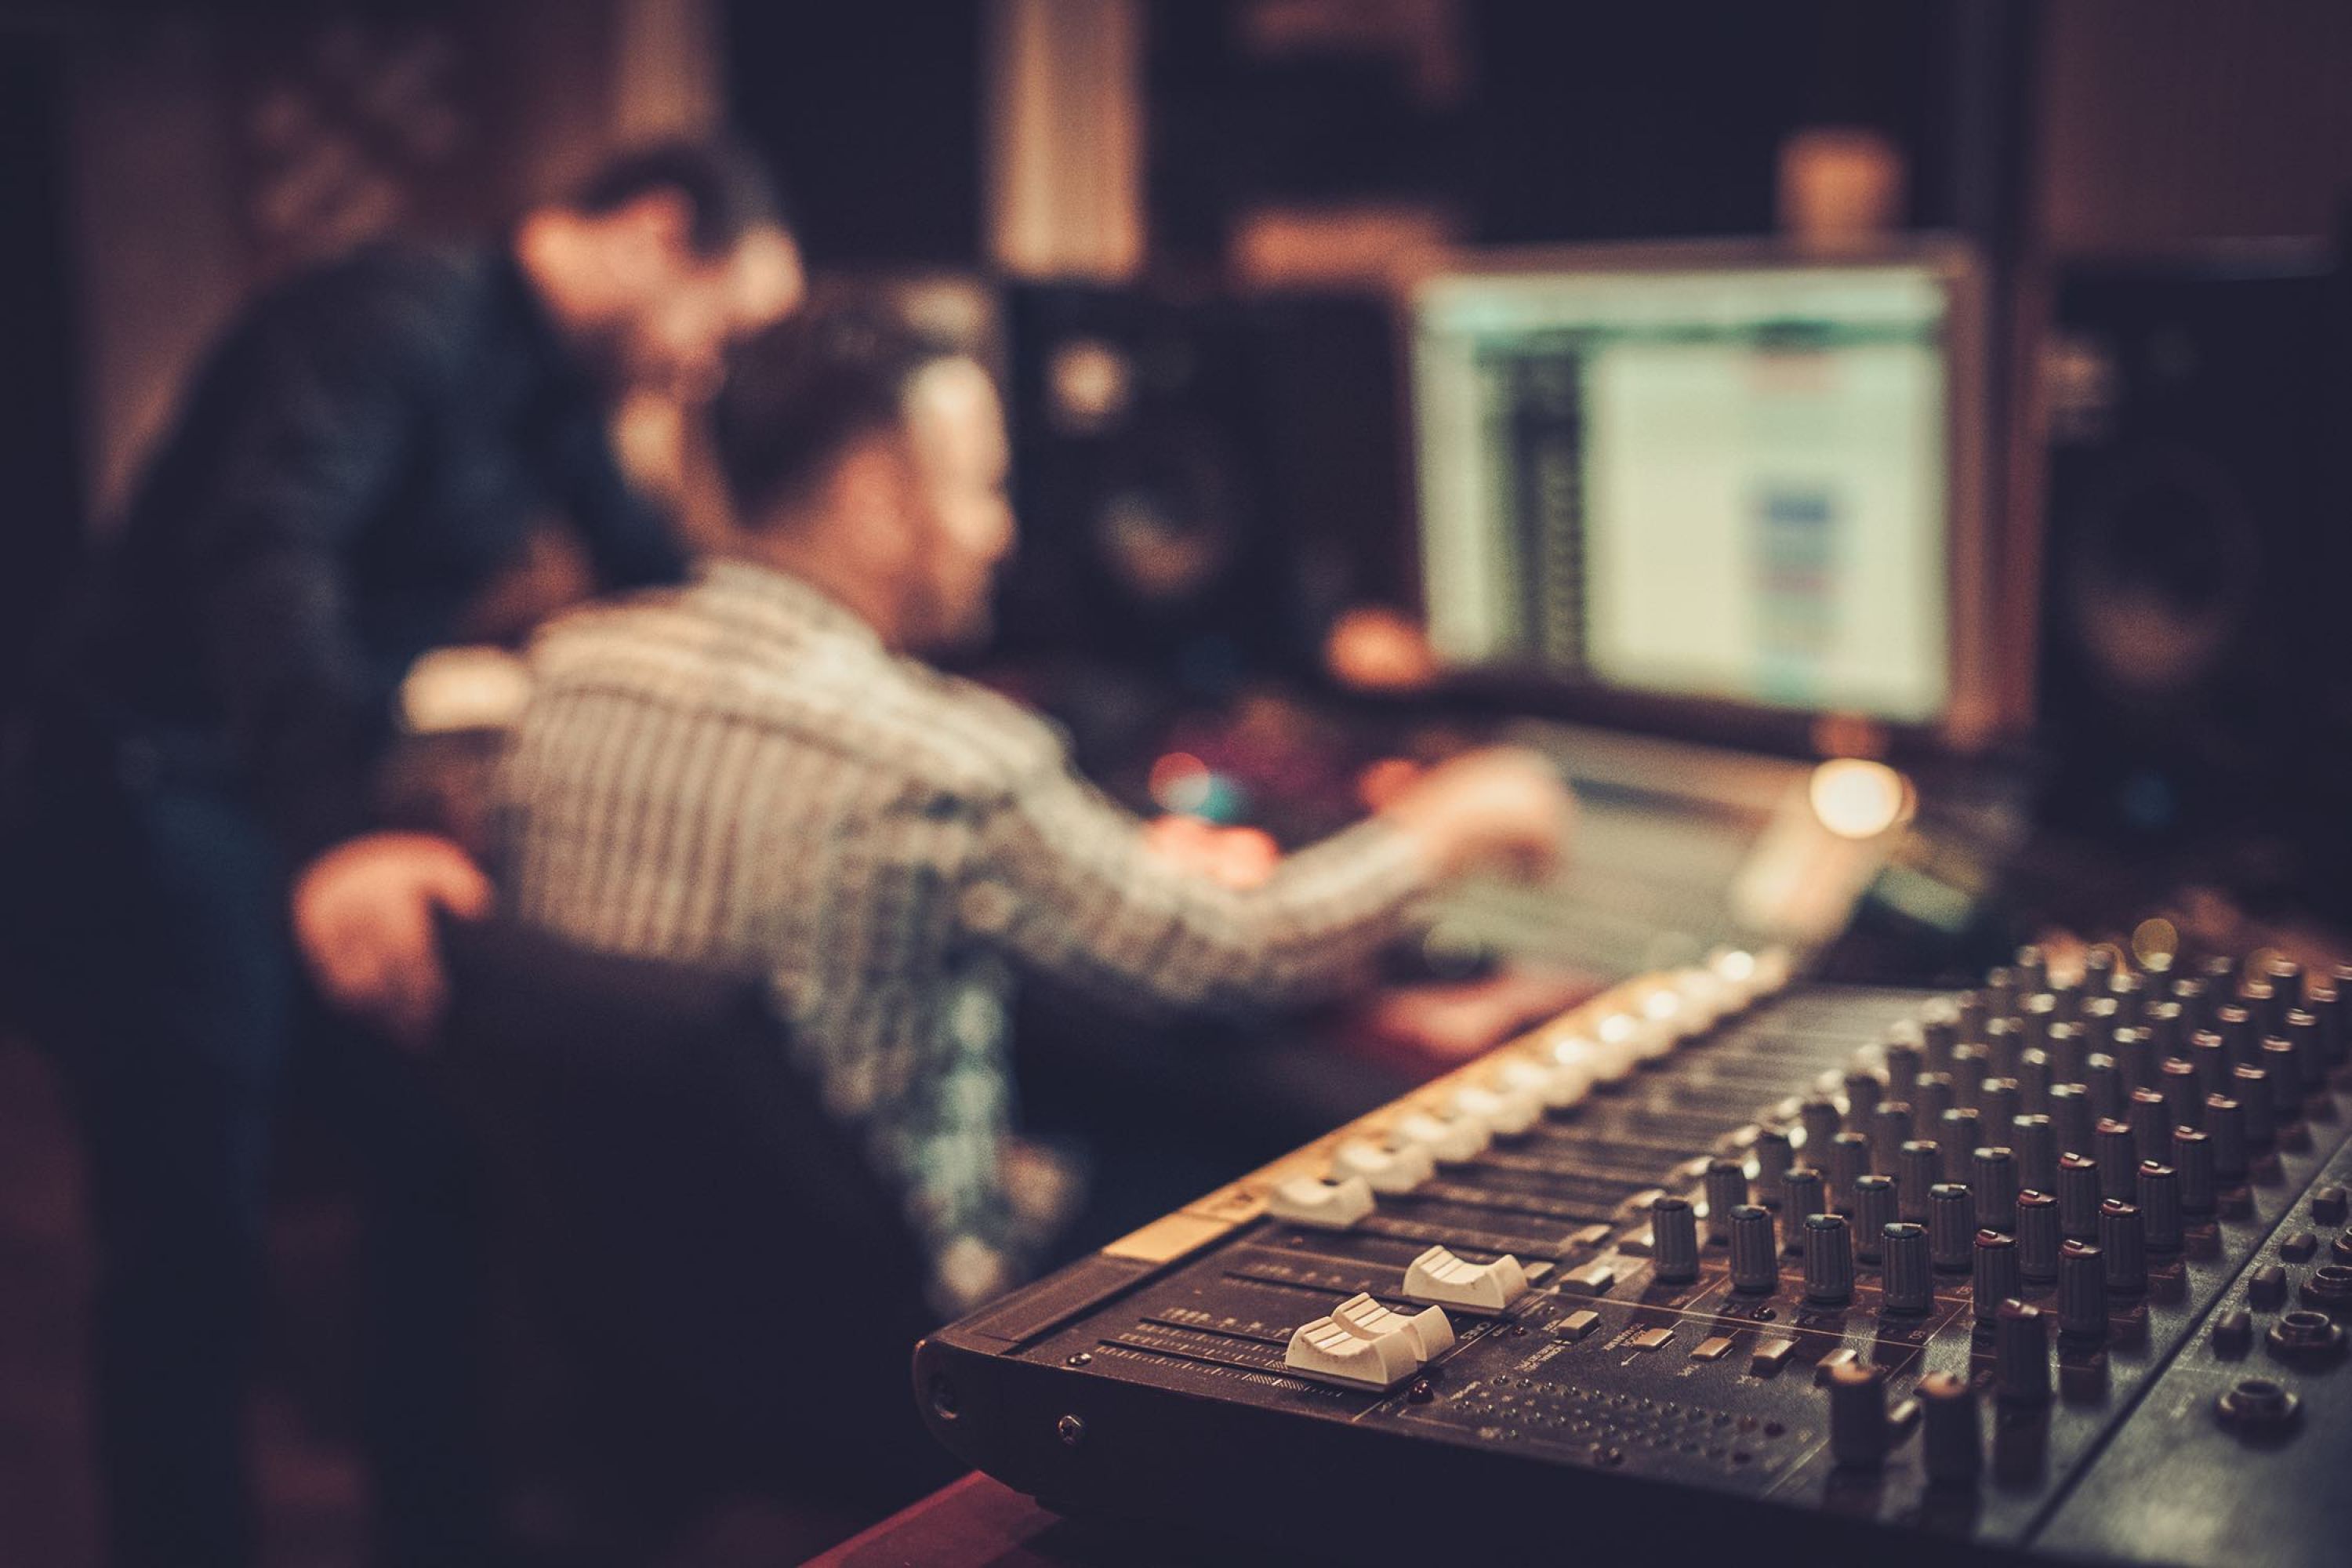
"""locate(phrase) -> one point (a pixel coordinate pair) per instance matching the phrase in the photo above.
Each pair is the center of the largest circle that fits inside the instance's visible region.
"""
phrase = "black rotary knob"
(1918, 1170)
(1820, 1118)
(2097, 1021)
(2287, 1080)
(1873, 1211)
(2205, 1053)
(2106, 1082)
(1726, 1189)
(2134, 1058)
(2236, 1027)
(1909, 1286)
(1848, 1163)
(2192, 1157)
(2131, 995)
(2250, 1086)
(1890, 1129)
(1930, 1098)
(1951, 1439)
(2020, 1354)
(2123, 1238)
(2078, 1196)
(2166, 1031)
(2310, 1064)
(2070, 1111)
(2118, 1154)
(1993, 1277)
(1801, 1193)
(1755, 1251)
(2151, 1125)
(1774, 1158)
(1674, 1240)
(1858, 1429)
(1971, 1065)
(2159, 1207)
(1993, 1179)
(1828, 1260)
(2034, 1077)
(2036, 1138)
(1939, 1031)
(1863, 1094)
(2225, 1121)
(2003, 1040)
(1957, 1139)
(1904, 1063)
(2038, 1237)
(2082, 1292)
(1951, 1227)
(2062, 1046)
(2178, 1080)
(1999, 1103)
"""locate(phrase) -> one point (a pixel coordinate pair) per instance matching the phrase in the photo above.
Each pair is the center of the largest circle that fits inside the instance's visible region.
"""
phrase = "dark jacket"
(365, 450)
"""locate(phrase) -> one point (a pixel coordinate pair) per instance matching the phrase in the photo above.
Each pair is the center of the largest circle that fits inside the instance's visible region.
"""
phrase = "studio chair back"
(719, 1262)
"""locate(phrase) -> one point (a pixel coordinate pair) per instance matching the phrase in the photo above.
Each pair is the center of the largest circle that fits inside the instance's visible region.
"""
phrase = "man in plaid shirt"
(755, 772)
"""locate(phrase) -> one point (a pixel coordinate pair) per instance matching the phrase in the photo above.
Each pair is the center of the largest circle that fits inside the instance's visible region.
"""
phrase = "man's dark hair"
(727, 188)
(804, 392)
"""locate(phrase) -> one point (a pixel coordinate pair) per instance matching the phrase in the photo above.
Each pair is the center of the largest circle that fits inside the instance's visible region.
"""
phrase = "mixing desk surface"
(2054, 1269)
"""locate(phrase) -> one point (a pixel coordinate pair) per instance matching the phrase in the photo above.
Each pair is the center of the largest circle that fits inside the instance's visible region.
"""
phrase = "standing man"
(375, 455)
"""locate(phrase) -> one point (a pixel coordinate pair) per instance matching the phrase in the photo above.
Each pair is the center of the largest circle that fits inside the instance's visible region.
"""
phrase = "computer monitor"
(1708, 474)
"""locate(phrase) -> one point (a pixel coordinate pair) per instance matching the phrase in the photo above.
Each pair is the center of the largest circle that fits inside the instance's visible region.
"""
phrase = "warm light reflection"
(1857, 798)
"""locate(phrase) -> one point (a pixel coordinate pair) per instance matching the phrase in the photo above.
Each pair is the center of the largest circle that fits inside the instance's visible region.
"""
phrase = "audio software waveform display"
(1728, 482)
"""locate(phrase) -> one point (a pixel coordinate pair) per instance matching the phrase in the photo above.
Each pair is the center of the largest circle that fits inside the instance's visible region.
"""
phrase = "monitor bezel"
(1975, 717)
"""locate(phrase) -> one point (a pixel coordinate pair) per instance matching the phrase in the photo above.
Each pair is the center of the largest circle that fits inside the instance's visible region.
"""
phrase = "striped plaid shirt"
(739, 773)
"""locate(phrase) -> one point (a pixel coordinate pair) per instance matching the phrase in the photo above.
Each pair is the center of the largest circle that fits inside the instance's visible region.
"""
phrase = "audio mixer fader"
(2057, 1268)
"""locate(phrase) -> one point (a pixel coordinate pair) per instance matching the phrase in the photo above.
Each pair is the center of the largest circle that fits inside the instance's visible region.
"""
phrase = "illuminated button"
(1577, 1325)
(1771, 1356)
(1506, 1112)
(1592, 1279)
(1715, 1347)
(1330, 1350)
(1557, 1086)
(1366, 1319)
(1439, 1276)
(1451, 1141)
(1651, 1338)
(1325, 1205)
(1383, 1169)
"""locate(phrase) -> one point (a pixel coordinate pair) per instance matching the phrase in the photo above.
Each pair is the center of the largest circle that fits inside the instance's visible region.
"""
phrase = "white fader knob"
(1451, 1141)
(1507, 1112)
(1557, 1086)
(1326, 1205)
(1329, 1349)
(1396, 1169)
(1432, 1335)
(1439, 1276)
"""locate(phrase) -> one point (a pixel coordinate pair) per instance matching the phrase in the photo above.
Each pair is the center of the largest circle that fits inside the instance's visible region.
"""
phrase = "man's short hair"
(803, 393)
(728, 190)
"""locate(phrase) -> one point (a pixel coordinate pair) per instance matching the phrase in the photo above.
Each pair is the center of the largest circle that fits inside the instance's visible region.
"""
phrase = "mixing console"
(2053, 1269)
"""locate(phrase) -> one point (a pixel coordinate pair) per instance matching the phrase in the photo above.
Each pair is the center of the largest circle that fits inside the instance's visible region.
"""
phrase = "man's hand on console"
(1500, 806)
(363, 917)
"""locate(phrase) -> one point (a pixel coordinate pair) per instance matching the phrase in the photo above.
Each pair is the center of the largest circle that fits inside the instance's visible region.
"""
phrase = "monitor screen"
(1732, 481)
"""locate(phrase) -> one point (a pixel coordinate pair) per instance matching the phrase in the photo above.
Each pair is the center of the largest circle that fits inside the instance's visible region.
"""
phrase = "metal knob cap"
(2159, 1207)
(1951, 1437)
(1909, 1287)
(2082, 1292)
(1873, 1211)
(1674, 1240)
(2020, 1354)
(1951, 1227)
(1858, 1429)
(1828, 1260)
(2037, 1236)
(2122, 1238)
(1755, 1251)
(1726, 1189)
